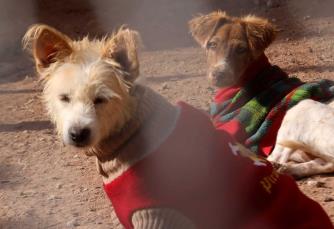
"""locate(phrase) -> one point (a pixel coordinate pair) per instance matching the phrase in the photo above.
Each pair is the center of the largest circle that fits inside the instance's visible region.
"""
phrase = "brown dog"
(254, 96)
(232, 44)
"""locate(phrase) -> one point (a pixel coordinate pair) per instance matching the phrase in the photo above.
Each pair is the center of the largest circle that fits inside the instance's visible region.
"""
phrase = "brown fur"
(235, 43)
(232, 43)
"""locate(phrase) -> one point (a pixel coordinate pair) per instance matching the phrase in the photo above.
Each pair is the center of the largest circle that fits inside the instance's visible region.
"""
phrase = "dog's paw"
(276, 165)
(280, 154)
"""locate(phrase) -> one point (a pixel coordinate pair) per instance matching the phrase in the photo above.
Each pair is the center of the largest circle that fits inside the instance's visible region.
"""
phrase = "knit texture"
(160, 218)
(253, 111)
(200, 177)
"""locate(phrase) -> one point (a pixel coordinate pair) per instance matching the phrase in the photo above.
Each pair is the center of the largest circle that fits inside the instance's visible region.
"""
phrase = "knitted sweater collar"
(108, 148)
(153, 120)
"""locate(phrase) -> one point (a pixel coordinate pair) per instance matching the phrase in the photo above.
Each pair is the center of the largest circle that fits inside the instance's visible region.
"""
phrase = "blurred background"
(162, 23)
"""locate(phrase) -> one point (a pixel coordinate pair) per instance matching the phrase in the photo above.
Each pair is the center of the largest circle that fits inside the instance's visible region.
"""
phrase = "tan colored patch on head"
(228, 40)
(204, 26)
(88, 88)
(97, 97)
(47, 45)
(232, 43)
(260, 32)
(123, 48)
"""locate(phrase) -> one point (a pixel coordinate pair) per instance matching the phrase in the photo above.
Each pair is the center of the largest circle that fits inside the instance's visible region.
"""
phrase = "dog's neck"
(152, 121)
(256, 67)
(108, 148)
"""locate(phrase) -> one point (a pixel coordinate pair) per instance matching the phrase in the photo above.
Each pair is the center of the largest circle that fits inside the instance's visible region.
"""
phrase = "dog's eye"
(211, 45)
(241, 49)
(64, 98)
(99, 100)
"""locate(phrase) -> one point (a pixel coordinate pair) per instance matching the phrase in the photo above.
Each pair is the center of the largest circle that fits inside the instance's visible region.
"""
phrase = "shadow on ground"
(19, 91)
(29, 220)
(25, 125)
(9, 176)
(162, 79)
(310, 68)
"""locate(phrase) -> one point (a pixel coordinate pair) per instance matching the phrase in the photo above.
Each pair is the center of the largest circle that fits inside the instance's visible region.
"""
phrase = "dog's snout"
(79, 136)
(216, 73)
(221, 75)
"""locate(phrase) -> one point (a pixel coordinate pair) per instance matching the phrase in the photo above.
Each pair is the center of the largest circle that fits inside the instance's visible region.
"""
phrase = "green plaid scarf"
(253, 112)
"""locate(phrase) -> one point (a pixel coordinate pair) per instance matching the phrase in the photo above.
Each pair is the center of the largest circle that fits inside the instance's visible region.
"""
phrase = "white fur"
(82, 82)
(86, 88)
(222, 64)
(79, 115)
(305, 144)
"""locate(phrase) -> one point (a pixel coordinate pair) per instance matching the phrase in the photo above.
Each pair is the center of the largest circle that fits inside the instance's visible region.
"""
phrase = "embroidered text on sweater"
(205, 175)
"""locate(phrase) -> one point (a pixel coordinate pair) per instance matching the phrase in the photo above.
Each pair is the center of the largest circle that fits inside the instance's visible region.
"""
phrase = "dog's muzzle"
(221, 77)
(80, 137)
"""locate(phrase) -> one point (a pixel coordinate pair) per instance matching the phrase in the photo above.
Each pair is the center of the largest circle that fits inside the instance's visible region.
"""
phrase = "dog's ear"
(260, 32)
(122, 47)
(47, 45)
(203, 27)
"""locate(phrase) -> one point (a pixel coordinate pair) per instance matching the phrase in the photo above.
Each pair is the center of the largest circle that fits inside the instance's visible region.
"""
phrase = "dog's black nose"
(79, 135)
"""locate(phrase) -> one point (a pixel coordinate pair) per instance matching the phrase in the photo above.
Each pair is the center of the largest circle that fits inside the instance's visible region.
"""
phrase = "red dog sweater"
(214, 181)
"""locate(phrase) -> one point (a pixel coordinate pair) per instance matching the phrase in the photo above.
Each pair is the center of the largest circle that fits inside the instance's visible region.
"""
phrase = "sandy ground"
(46, 185)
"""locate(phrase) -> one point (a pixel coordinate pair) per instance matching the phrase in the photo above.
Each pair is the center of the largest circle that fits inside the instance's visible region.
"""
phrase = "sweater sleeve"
(160, 218)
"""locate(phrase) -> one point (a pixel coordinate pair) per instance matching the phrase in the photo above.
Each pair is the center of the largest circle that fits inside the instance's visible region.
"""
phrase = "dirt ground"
(46, 185)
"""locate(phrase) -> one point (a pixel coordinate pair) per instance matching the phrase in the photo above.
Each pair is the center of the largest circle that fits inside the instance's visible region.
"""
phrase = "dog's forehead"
(84, 83)
(71, 74)
(231, 31)
(73, 77)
